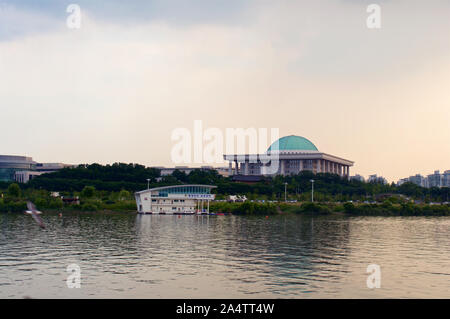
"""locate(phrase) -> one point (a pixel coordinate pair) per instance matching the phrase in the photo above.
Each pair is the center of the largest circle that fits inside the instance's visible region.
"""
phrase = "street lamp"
(148, 183)
(285, 185)
(312, 190)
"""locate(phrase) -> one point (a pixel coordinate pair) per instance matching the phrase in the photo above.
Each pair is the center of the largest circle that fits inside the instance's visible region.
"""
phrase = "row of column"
(324, 166)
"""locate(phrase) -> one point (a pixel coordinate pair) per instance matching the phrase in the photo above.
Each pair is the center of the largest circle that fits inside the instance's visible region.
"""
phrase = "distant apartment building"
(377, 179)
(432, 180)
(446, 179)
(418, 180)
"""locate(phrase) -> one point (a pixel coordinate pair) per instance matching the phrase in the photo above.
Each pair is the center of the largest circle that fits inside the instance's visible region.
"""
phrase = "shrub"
(88, 192)
(14, 190)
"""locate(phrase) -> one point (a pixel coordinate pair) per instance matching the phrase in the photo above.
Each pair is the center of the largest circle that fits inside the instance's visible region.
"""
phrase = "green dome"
(292, 143)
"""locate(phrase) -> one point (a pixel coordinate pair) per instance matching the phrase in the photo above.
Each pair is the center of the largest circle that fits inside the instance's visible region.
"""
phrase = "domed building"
(288, 155)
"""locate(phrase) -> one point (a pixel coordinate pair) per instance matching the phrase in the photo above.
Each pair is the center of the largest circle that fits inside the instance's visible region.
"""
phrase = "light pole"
(312, 190)
(285, 185)
(148, 183)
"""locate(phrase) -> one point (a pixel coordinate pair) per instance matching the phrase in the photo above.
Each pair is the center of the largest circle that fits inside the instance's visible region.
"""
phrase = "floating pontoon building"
(178, 199)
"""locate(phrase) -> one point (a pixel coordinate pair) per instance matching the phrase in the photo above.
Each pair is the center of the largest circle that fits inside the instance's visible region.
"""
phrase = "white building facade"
(173, 200)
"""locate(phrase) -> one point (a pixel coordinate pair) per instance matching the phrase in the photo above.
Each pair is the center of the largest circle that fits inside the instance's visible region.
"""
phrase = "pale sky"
(115, 89)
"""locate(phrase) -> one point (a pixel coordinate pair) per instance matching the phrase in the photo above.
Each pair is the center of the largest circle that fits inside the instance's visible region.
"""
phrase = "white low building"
(177, 199)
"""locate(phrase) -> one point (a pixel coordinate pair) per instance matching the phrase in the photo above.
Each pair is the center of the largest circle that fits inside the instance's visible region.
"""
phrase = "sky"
(115, 89)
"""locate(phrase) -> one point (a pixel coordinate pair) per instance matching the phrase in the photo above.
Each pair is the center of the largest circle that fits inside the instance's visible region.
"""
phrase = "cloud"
(16, 22)
(23, 17)
(114, 90)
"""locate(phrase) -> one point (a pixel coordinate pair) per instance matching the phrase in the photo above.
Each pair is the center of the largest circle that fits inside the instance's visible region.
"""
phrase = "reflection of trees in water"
(289, 246)
(277, 250)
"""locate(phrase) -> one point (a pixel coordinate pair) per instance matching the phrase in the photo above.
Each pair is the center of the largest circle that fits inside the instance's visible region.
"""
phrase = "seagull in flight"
(35, 214)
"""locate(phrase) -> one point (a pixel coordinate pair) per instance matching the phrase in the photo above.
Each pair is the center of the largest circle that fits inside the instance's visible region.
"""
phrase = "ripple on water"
(125, 255)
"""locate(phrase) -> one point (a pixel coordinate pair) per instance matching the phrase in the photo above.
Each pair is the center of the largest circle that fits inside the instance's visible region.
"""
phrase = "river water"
(128, 256)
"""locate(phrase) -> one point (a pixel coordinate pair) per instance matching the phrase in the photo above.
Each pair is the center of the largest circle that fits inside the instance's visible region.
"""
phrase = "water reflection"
(124, 255)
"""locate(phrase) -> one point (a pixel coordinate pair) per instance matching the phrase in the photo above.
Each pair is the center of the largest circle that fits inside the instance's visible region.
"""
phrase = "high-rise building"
(434, 180)
(446, 179)
(377, 179)
(418, 180)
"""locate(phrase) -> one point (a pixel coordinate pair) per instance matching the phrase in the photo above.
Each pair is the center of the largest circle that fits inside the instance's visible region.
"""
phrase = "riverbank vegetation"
(92, 200)
(133, 177)
(13, 199)
(111, 187)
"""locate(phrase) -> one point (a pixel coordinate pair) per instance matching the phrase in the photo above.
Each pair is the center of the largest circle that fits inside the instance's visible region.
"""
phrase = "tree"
(88, 191)
(123, 195)
(180, 175)
(14, 190)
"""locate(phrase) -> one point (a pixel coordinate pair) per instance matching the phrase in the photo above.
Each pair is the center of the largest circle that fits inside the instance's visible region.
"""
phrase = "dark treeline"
(133, 177)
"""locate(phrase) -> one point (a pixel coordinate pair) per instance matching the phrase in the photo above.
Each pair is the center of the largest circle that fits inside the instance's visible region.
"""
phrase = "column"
(236, 167)
(301, 165)
(282, 166)
(230, 167)
(245, 168)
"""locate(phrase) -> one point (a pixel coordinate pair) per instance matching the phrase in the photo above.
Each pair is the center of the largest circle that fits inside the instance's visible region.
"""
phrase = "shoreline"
(307, 209)
(298, 208)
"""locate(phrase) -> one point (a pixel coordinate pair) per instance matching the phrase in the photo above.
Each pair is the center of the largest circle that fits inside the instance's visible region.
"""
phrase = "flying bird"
(35, 214)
